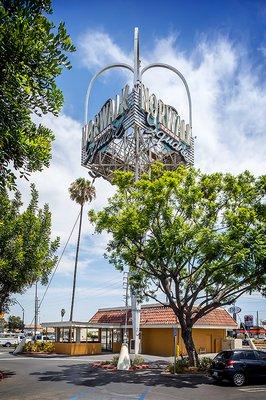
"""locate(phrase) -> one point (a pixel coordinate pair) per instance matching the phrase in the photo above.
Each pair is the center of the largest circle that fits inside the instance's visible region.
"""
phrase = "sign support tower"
(133, 131)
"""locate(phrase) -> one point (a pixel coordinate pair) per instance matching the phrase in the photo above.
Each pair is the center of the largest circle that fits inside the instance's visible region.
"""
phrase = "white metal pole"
(135, 305)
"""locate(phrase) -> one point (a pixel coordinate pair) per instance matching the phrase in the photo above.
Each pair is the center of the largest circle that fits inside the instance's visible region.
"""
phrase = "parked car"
(45, 338)
(9, 339)
(238, 366)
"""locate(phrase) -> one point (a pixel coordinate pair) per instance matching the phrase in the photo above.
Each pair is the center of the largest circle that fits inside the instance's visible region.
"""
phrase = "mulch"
(112, 367)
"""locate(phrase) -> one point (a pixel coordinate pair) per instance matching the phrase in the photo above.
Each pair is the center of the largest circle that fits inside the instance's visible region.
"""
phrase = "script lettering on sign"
(164, 114)
(109, 112)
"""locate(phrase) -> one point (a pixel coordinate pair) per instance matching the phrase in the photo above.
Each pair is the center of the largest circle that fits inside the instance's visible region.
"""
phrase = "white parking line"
(253, 389)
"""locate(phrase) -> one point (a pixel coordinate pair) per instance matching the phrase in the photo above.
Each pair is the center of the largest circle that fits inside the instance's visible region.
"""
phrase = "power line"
(57, 264)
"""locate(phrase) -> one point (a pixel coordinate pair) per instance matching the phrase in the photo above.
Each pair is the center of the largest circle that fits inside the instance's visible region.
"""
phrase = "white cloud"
(228, 98)
(53, 183)
(99, 49)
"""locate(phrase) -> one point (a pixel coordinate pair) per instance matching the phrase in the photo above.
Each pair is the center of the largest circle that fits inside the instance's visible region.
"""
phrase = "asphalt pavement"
(74, 378)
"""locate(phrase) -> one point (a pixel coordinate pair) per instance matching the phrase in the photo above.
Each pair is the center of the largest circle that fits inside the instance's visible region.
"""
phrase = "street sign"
(234, 310)
(248, 321)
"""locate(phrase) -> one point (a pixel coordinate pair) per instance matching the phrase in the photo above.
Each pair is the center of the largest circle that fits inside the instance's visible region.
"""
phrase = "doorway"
(107, 339)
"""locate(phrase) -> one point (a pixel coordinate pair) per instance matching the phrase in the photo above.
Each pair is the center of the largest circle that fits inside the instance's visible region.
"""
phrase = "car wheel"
(8, 344)
(239, 379)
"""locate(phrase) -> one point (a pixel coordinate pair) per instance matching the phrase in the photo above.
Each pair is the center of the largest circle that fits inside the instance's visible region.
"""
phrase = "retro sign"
(137, 107)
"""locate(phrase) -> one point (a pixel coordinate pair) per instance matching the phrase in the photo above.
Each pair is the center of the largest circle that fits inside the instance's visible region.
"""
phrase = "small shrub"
(33, 347)
(204, 363)
(114, 360)
(49, 347)
(27, 347)
(137, 360)
(180, 366)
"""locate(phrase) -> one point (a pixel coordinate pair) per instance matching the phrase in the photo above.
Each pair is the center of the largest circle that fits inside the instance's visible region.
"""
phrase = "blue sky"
(220, 47)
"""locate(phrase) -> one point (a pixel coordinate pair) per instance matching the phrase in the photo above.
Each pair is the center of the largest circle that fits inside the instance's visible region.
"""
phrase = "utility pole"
(36, 310)
(23, 314)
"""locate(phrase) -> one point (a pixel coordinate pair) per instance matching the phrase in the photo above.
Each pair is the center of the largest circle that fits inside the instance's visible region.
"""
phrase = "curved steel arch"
(167, 66)
(88, 93)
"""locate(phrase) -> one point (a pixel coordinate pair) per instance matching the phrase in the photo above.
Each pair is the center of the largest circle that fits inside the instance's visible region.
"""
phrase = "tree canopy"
(82, 191)
(14, 322)
(33, 54)
(198, 238)
(27, 252)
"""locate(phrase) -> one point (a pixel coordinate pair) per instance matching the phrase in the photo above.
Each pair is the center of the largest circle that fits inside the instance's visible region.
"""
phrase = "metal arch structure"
(93, 79)
(132, 132)
(173, 69)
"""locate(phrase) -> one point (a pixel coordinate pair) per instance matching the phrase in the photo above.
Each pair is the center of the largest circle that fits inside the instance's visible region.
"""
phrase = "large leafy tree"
(32, 55)
(81, 191)
(27, 253)
(198, 238)
(14, 322)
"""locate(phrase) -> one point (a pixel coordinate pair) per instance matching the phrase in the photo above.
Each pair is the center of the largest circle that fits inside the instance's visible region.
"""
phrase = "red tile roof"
(160, 315)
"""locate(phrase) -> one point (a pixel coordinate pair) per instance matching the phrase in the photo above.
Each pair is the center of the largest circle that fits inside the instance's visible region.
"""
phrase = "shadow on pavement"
(6, 374)
(86, 375)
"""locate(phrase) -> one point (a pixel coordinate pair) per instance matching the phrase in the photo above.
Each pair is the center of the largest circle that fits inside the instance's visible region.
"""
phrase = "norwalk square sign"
(135, 129)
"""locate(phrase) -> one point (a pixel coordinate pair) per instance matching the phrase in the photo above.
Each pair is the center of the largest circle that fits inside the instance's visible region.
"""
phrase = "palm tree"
(81, 191)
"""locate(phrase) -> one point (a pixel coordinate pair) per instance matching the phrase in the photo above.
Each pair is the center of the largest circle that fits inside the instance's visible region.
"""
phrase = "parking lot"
(74, 378)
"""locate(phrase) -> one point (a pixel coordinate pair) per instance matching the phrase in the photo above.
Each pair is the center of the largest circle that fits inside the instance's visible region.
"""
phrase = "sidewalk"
(108, 357)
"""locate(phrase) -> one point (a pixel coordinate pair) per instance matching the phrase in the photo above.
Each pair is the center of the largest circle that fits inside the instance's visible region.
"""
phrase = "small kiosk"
(75, 338)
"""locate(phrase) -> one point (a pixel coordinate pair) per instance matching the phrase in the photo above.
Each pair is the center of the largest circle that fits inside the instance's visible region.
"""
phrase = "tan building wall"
(160, 341)
(76, 349)
(157, 341)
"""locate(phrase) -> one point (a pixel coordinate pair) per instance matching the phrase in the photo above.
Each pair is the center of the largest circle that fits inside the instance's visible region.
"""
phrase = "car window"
(238, 355)
(250, 355)
(224, 355)
(262, 355)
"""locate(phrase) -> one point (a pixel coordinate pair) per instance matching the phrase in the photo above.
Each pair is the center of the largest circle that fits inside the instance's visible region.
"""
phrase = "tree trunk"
(186, 333)
(76, 264)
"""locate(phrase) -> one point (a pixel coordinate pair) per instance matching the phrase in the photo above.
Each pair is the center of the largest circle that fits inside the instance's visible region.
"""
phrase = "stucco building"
(158, 325)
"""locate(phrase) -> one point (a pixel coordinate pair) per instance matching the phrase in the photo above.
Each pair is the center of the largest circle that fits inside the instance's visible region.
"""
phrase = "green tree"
(81, 191)
(27, 252)
(198, 238)
(3, 324)
(14, 323)
(32, 55)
